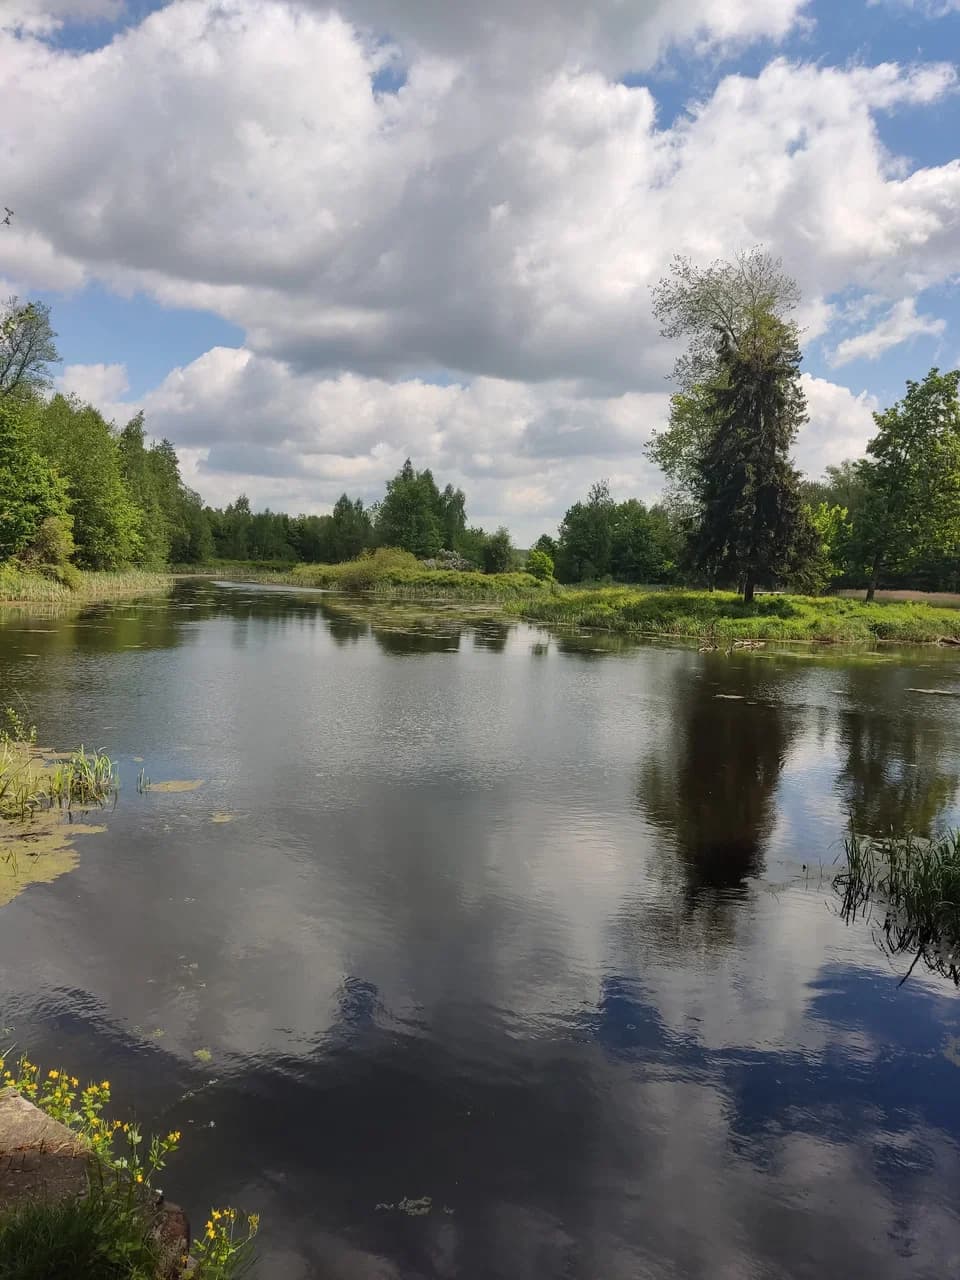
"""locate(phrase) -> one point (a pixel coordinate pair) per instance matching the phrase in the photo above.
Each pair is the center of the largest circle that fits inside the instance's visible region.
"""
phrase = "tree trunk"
(874, 577)
(748, 589)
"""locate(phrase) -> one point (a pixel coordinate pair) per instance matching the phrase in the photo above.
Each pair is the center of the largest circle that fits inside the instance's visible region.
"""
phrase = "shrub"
(540, 564)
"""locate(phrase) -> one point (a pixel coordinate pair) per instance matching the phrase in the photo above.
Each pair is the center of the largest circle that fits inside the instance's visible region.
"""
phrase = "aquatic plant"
(126, 1202)
(83, 779)
(915, 883)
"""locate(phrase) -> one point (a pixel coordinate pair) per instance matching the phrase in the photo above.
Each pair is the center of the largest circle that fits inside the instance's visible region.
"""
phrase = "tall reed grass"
(915, 883)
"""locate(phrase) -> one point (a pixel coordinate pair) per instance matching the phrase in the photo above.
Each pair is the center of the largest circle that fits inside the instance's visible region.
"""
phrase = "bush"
(498, 552)
(540, 564)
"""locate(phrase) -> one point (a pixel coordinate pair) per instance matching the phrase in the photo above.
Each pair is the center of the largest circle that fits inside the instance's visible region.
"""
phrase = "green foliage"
(721, 617)
(678, 450)
(753, 525)
(725, 302)
(539, 564)
(93, 1238)
(826, 562)
(110, 1233)
(107, 522)
(27, 347)
(30, 491)
(409, 516)
(911, 504)
(498, 552)
(600, 537)
(392, 572)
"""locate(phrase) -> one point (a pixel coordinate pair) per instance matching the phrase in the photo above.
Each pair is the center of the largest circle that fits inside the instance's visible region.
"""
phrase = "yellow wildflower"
(215, 1214)
(53, 1075)
(74, 1081)
(138, 1176)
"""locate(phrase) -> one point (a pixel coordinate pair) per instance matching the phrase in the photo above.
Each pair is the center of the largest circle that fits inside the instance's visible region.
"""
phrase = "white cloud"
(523, 453)
(899, 324)
(99, 384)
(236, 157)
(501, 217)
(840, 424)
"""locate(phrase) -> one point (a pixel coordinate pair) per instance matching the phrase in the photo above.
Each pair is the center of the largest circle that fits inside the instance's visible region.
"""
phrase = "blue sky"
(340, 235)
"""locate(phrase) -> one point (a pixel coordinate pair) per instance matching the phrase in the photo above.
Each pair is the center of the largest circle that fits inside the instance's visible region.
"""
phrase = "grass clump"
(916, 883)
(114, 1232)
(77, 1239)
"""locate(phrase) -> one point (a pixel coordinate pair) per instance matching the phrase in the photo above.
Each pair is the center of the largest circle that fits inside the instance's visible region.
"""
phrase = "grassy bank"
(20, 587)
(719, 616)
(710, 617)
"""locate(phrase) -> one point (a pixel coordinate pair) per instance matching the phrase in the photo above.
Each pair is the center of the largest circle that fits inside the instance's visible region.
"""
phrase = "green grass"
(709, 617)
(96, 1238)
(916, 883)
(720, 617)
(17, 586)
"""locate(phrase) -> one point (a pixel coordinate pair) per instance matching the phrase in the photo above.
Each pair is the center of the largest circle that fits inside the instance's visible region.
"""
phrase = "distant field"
(942, 599)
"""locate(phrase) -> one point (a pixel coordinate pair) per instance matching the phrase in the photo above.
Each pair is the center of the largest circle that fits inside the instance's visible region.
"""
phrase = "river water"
(485, 952)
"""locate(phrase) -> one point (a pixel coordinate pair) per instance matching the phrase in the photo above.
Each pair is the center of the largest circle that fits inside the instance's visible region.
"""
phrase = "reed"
(915, 883)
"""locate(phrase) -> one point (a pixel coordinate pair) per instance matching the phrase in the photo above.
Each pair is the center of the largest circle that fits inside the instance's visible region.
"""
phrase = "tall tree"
(27, 347)
(912, 478)
(754, 524)
(740, 372)
(351, 530)
(409, 516)
(81, 445)
(586, 536)
(31, 493)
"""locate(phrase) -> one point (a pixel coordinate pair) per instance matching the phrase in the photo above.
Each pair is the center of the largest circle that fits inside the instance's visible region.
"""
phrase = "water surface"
(484, 952)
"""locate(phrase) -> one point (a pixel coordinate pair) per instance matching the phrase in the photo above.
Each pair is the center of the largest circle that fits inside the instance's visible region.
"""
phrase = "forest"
(80, 493)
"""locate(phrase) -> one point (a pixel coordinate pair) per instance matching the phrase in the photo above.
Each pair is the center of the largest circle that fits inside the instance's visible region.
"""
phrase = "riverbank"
(709, 617)
(17, 586)
(720, 617)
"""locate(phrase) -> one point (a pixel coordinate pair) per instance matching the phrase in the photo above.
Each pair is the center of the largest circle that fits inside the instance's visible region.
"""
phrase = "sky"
(311, 240)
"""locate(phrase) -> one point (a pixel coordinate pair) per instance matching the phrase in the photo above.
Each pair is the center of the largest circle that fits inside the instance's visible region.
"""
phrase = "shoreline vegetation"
(20, 586)
(712, 618)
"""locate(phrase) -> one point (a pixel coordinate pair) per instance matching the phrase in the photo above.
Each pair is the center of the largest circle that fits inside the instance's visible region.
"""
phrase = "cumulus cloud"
(899, 324)
(503, 225)
(523, 453)
(378, 192)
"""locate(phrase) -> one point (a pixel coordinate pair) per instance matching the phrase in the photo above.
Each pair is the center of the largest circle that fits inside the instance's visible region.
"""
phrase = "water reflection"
(899, 771)
(460, 945)
(710, 782)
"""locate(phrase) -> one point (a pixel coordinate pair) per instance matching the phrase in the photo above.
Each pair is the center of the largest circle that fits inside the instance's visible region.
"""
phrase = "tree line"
(79, 491)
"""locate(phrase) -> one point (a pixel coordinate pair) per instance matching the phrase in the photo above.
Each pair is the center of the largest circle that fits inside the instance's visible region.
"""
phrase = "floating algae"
(38, 852)
(183, 784)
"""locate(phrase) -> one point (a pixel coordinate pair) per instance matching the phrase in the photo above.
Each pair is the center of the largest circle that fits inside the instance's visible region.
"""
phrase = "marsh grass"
(19, 586)
(915, 883)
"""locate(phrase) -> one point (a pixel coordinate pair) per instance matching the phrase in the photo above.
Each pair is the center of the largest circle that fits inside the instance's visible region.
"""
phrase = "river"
(484, 952)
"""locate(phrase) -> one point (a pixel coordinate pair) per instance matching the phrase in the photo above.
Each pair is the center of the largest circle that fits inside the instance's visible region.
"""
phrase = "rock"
(38, 1156)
